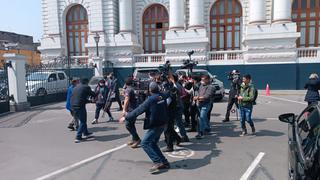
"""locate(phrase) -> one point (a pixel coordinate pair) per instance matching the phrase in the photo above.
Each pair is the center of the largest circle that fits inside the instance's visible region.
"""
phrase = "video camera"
(165, 70)
(189, 63)
(234, 75)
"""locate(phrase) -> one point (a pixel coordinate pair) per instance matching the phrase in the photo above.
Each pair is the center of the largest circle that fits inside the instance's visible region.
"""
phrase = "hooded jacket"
(156, 108)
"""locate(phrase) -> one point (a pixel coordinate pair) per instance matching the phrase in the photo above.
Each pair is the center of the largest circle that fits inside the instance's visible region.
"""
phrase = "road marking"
(252, 167)
(181, 153)
(79, 164)
(283, 99)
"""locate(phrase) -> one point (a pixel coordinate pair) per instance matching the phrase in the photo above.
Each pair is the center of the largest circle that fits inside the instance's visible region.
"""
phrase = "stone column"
(257, 13)
(177, 12)
(196, 19)
(125, 15)
(282, 11)
(17, 82)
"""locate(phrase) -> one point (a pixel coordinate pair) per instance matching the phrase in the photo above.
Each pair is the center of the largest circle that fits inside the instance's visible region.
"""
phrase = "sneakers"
(243, 133)
(110, 119)
(95, 121)
(226, 120)
(156, 168)
(77, 140)
(199, 136)
(71, 128)
(185, 139)
(135, 144)
(89, 135)
(178, 141)
(168, 150)
(253, 130)
(130, 143)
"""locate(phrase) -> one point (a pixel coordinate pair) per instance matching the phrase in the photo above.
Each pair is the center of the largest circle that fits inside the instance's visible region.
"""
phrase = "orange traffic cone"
(268, 90)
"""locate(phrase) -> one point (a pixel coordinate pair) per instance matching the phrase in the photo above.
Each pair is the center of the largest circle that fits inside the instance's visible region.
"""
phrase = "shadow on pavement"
(226, 129)
(100, 129)
(269, 133)
(207, 144)
(110, 137)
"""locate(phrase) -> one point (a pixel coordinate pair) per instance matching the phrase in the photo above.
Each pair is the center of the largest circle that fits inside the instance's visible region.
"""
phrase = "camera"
(234, 75)
(165, 70)
(189, 64)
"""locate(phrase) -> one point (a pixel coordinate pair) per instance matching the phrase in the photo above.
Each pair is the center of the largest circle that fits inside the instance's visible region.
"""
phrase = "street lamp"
(96, 39)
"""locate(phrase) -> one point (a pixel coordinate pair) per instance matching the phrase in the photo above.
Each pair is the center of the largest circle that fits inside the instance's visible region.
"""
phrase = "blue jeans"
(179, 123)
(81, 114)
(150, 145)
(203, 120)
(245, 115)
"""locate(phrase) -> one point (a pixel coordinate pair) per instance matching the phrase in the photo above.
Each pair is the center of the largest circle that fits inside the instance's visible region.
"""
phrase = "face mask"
(101, 84)
(203, 82)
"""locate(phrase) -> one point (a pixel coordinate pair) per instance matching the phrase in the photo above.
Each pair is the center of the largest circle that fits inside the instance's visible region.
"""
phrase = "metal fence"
(4, 90)
(49, 83)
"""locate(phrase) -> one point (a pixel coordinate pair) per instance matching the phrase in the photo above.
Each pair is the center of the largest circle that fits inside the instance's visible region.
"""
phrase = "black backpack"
(255, 95)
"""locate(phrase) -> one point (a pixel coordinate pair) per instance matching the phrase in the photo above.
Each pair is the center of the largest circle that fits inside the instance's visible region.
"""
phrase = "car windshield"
(37, 77)
(196, 73)
(95, 80)
(145, 74)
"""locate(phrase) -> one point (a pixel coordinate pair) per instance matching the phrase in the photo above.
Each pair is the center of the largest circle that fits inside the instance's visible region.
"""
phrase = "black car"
(304, 143)
(142, 78)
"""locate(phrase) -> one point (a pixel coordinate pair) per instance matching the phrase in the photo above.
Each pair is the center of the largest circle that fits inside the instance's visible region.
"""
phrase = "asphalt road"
(36, 143)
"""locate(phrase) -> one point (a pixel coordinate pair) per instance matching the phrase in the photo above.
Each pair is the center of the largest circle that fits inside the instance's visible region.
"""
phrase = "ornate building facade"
(260, 37)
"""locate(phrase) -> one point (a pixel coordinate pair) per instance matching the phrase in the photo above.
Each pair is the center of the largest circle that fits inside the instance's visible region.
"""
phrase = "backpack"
(255, 96)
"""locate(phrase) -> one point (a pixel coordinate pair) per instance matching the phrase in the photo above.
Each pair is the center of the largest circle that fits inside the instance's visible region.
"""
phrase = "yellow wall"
(33, 57)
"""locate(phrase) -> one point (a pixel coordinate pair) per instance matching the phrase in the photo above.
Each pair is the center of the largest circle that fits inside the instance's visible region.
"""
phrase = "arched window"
(306, 14)
(225, 17)
(155, 25)
(77, 31)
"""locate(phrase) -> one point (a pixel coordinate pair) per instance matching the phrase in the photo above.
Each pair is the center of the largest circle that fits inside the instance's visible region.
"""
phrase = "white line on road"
(283, 99)
(252, 167)
(78, 164)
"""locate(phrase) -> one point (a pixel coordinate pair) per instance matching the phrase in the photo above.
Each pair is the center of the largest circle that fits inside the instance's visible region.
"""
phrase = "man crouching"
(155, 123)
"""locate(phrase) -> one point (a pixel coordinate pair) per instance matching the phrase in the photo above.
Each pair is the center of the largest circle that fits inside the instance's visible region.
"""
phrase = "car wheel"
(41, 92)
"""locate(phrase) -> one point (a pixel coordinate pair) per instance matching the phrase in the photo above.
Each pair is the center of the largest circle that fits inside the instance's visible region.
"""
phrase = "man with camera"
(235, 79)
(204, 100)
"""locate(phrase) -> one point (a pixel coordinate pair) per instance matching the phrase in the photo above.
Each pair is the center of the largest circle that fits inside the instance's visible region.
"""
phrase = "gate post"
(17, 82)
(98, 70)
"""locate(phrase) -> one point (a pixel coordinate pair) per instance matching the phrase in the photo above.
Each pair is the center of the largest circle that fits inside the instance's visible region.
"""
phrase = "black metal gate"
(49, 83)
(4, 89)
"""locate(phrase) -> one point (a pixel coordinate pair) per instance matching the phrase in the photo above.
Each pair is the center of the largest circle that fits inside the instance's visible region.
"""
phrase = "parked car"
(219, 87)
(47, 82)
(142, 78)
(304, 143)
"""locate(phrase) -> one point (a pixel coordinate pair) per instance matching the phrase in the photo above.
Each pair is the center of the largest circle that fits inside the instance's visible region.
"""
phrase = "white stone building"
(224, 34)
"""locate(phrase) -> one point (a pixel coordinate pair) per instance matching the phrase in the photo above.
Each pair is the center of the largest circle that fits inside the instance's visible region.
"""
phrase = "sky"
(21, 17)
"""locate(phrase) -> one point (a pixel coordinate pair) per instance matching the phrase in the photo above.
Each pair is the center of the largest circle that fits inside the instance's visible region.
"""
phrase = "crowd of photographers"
(171, 97)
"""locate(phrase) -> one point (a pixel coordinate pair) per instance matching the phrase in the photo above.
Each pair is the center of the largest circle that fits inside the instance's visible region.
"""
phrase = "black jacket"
(156, 106)
(313, 87)
(235, 88)
(80, 96)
